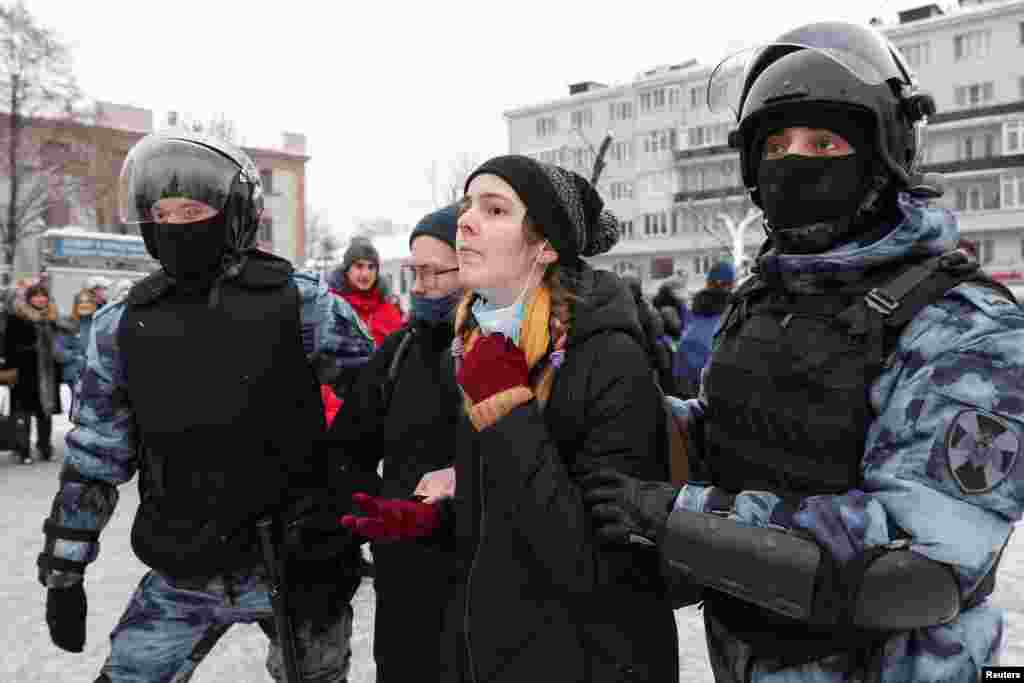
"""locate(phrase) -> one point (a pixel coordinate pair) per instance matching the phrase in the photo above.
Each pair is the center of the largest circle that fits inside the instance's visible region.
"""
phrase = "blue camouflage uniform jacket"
(943, 459)
(102, 446)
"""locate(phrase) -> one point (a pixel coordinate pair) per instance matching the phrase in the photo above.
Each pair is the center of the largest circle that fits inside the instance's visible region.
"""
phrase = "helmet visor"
(166, 180)
(871, 63)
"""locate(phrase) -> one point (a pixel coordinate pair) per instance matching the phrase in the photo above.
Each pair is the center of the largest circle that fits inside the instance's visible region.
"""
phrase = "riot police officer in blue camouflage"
(855, 450)
(205, 378)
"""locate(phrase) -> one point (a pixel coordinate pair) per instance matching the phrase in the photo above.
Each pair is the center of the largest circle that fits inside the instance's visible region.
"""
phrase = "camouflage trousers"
(169, 628)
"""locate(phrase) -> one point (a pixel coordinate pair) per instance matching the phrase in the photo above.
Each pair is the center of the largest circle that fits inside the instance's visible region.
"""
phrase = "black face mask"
(192, 253)
(810, 203)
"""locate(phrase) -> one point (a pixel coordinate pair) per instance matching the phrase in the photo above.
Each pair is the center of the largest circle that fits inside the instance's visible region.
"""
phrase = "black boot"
(44, 432)
(24, 457)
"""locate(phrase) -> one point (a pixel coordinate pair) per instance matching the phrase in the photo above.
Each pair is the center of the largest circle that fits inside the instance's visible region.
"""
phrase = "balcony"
(991, 163)
(717, 193)
(697, 152)
(976, 112)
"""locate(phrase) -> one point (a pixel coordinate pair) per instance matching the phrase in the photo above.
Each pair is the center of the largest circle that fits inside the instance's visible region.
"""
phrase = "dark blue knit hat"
(440, 224)
(723, 271)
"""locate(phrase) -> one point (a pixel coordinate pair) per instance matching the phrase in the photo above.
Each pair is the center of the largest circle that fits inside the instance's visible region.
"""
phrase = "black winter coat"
(413, 435)
(29, 346)
(538, 599)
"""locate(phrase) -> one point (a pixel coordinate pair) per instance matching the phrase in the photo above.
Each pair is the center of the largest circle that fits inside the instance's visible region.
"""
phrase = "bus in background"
(72, 255)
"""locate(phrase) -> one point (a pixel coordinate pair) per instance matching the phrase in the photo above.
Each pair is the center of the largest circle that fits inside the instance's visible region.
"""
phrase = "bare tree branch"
(38, 102)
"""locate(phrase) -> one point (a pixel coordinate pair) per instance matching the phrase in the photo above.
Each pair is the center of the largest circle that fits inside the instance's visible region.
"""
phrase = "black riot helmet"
(180, 164)
(835, 66)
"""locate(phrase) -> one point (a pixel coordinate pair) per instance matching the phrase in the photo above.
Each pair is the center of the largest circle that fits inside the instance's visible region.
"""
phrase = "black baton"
(276, 580)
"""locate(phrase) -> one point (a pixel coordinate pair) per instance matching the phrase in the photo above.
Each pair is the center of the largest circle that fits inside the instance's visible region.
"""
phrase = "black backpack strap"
(739, 304)
(150, 288)
(387, 388)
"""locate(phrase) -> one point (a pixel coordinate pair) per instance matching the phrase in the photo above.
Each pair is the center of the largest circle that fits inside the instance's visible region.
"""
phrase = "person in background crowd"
(73, 338)
(357, 280)
(204, 379)
(100, 287)
(673, 327)
(673, 295)
(859, 468)
(403, 409)
(705, 315)
(653, 328)
(29, 347)
(556, 380)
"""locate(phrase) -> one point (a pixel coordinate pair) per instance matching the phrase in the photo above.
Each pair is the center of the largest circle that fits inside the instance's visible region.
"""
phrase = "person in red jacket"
(357, 281)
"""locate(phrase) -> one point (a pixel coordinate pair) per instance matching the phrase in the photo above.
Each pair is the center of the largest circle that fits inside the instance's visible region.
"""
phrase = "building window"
(1020, 26)
(267, 181)
(917, 54)
(546, 125)
(622, 151)
(662, 267)
(658, 142)
(1013, 136)
(620, 111)
(582, 118)
(653, 100)
(403, 284)
(1020, 86)
(655, 224)
(620, 190)
(1013, 190)
(974, 94)
(701, 264)
(582, 157)
(696, 97)
(988, 251)
(972, 45)
(624, 268)
(707, 136)
(675, 97)
(626, 229)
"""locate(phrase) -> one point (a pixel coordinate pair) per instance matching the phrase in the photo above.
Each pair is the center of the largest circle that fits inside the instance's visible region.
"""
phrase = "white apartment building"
(675, 184)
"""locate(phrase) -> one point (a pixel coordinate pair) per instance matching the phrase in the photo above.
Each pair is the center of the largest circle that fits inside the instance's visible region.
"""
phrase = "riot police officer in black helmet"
(854, 443)
(205, 378)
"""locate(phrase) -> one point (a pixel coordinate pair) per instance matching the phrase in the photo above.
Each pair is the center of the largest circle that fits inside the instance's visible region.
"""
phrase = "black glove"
(623, 507)
(65, 616)
(313, 533)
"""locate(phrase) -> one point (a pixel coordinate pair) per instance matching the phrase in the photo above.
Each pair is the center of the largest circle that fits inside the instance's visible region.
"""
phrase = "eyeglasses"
(426, 275)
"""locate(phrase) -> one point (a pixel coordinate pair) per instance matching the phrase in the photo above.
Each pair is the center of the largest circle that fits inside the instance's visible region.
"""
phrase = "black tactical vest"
(787, 392)
(228, 413)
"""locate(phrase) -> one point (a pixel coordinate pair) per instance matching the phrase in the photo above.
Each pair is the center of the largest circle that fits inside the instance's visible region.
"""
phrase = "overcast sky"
(381, 89)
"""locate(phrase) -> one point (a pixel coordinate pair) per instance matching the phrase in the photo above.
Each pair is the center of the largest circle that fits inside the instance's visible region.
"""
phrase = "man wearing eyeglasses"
(404, 405)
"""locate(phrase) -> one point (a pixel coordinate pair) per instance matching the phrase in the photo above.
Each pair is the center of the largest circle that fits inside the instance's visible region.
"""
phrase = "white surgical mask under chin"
(507, 320)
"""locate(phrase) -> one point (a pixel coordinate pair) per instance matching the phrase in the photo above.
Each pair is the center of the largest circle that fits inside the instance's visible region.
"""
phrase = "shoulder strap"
(262, 271)
(149, 289)
(739, 303)
(886, 309)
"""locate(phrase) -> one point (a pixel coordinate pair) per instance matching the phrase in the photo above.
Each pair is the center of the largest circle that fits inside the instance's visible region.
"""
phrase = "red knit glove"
(392, 520)
(492, 366)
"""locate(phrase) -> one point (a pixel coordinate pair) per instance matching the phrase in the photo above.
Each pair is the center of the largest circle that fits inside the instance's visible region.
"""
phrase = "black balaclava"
(192, 253)
(811, 204)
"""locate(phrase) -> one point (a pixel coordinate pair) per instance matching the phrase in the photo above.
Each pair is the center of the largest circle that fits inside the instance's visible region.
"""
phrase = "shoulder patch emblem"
(981, 449)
